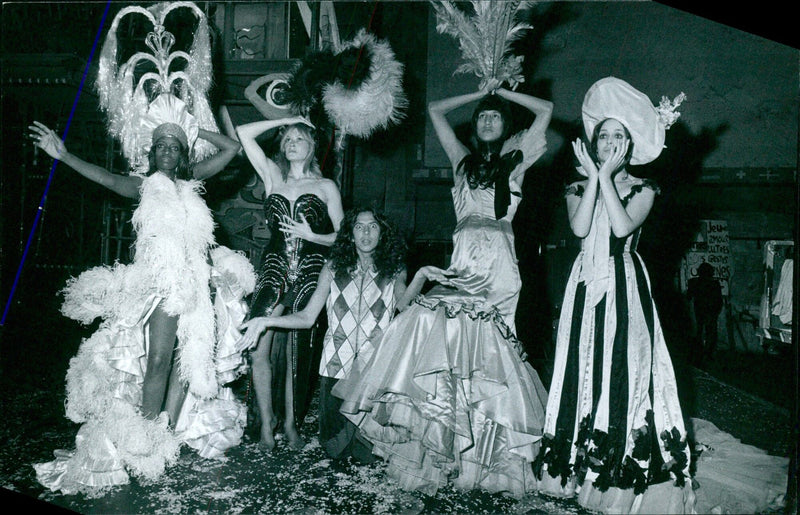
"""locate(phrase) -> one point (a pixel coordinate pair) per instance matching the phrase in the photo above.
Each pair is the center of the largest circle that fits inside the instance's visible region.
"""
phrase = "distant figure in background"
(705, 294)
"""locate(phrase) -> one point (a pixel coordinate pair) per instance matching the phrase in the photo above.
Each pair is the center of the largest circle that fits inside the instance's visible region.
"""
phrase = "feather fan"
(485, 37)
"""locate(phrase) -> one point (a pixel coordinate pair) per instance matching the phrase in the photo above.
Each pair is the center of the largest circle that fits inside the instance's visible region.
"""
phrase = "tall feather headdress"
(485, 37)
(356, 88)
(173, 90)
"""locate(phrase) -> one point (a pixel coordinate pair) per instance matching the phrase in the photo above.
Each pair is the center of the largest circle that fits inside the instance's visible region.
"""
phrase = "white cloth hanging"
(782, 302)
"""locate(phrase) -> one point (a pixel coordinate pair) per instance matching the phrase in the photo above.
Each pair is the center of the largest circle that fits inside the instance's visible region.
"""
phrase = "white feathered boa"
(104, 380)
(174, 229)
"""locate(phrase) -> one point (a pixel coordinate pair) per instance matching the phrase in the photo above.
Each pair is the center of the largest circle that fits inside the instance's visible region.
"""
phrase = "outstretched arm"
(228, 148)
(405, 294)
(47, 140)
(301, 320)
(264, 166)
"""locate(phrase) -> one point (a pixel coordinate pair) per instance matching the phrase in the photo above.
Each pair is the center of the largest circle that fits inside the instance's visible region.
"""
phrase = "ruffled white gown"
(104, 381)
(447, 395)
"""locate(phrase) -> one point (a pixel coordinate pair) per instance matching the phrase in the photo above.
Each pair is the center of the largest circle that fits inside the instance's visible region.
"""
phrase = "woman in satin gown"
(447, 395)
(303, 211)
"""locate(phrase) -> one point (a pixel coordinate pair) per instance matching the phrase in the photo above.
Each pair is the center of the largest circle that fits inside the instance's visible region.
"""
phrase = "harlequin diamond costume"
(175, 267)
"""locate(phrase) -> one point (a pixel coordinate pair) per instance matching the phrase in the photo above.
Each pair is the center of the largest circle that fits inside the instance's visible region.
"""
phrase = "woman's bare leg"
(163, 329)
(176, 394)
(262, 384)
(289, 426)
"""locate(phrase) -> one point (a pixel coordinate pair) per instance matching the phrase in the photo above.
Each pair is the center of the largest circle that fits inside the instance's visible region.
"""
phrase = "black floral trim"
(677, 449)
(578, 189)
(555, 453)
(575, 189)
(637, 188)
(596, 451)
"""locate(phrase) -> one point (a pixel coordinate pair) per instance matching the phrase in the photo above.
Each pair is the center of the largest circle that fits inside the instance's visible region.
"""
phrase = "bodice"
(617, 246)
(277, 207)
(468, 201)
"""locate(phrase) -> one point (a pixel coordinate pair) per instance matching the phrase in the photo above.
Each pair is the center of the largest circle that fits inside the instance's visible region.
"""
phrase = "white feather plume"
(378, 102)
(125, 99)
(485, 37)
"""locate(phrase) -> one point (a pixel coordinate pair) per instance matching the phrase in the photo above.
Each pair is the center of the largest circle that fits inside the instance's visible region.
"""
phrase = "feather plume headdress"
(356, 89)
(485, 37)
(378, 101)
(173, 89)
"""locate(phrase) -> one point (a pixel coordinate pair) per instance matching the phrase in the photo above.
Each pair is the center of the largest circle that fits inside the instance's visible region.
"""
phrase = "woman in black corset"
(303, 211)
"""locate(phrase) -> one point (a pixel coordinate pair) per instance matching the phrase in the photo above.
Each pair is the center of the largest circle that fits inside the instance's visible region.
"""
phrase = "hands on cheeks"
(585, 160)
(607, 168)
(252, 331)
(614, 161)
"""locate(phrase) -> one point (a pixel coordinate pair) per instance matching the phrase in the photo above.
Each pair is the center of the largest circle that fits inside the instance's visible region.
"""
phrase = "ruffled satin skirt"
(448, 397)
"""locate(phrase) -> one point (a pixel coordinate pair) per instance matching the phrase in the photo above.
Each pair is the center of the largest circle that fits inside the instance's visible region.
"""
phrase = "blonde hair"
(310, 165)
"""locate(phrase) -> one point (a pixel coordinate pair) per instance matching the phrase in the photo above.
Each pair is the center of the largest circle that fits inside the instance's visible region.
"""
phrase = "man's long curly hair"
(390, 254)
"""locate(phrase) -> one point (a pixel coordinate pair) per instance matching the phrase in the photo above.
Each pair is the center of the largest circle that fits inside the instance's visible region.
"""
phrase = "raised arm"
(580, 208)
(264, 166)
(532, 143)
(438, 110)
(300, 320)
(543, 109)
(625, 219)
(228, 148)
(47, 140)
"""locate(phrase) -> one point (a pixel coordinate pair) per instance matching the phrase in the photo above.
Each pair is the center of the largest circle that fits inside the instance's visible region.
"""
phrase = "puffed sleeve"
(532, 143)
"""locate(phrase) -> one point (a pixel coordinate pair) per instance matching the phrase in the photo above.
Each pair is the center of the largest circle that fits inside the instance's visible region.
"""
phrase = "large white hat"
(611, 97)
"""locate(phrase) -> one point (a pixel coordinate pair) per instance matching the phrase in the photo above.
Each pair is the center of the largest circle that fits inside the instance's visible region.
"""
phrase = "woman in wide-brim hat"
(614, 429)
